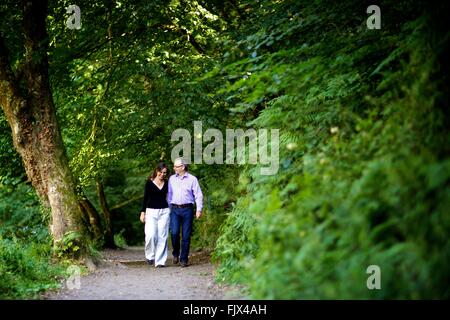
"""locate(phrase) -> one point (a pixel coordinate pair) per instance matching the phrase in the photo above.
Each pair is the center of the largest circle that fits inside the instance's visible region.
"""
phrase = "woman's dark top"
(154, 197)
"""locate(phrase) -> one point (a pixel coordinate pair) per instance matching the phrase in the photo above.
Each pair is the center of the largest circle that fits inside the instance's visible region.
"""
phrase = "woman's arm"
(144, 202)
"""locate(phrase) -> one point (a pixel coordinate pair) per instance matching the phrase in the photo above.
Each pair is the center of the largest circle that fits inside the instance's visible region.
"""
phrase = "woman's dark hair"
(159, 168)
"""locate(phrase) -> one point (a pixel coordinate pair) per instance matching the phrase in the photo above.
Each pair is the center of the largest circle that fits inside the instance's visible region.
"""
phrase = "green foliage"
(364, 144)
(122, 85)
(25, 269)
(219, 195)
(10, 162)
(236, 245)
(20, 215)
(119, 239)
(25, 244)
(69, 246)
(364, 158)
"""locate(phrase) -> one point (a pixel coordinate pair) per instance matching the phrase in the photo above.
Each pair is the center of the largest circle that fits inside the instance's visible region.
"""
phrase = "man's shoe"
(160, 266)
(151, 262)
(183, 264)
(175, 260)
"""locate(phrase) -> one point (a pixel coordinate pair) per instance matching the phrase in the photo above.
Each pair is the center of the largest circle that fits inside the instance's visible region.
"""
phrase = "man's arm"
(198, 195)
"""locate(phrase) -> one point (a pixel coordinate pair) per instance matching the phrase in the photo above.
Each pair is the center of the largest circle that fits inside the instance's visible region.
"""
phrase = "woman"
(155, 214)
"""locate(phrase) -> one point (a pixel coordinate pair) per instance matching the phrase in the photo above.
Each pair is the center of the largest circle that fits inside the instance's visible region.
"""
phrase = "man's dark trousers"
(181, 217)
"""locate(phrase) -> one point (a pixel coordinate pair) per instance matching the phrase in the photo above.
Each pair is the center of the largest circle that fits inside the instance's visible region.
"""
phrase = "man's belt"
(186, 205)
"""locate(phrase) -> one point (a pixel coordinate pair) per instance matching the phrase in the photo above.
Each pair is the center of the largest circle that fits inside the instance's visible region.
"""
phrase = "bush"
(364, 160)
(25, 269)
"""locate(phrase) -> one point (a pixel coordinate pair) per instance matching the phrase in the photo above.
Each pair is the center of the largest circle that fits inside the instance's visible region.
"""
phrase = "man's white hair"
(179, 161)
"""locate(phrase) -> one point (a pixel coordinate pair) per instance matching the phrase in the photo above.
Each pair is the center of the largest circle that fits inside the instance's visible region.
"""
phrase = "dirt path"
(124, 275)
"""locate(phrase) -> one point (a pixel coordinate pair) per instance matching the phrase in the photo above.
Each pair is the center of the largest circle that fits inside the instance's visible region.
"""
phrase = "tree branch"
(123, 204)
(192, 40)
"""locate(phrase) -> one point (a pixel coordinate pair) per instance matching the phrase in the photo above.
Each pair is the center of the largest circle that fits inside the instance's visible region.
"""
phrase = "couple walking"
(170, 202)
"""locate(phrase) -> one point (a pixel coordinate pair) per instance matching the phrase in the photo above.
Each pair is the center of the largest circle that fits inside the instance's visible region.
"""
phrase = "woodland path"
(124, 275)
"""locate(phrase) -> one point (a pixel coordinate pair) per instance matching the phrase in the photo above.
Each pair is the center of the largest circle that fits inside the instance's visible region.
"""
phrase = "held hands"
(198, 214)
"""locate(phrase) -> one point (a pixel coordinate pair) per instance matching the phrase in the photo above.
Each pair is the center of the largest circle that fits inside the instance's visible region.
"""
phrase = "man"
(184, 191)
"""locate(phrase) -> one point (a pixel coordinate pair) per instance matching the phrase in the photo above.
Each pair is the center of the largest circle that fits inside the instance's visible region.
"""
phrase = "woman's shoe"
(151, 262)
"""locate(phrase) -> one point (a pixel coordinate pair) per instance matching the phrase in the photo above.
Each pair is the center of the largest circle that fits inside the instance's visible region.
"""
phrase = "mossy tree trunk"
(26, 99)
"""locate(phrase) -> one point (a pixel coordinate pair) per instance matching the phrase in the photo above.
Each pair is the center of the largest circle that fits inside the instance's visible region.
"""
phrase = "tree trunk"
(92, 218)
(109, 237)
(27, 101)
